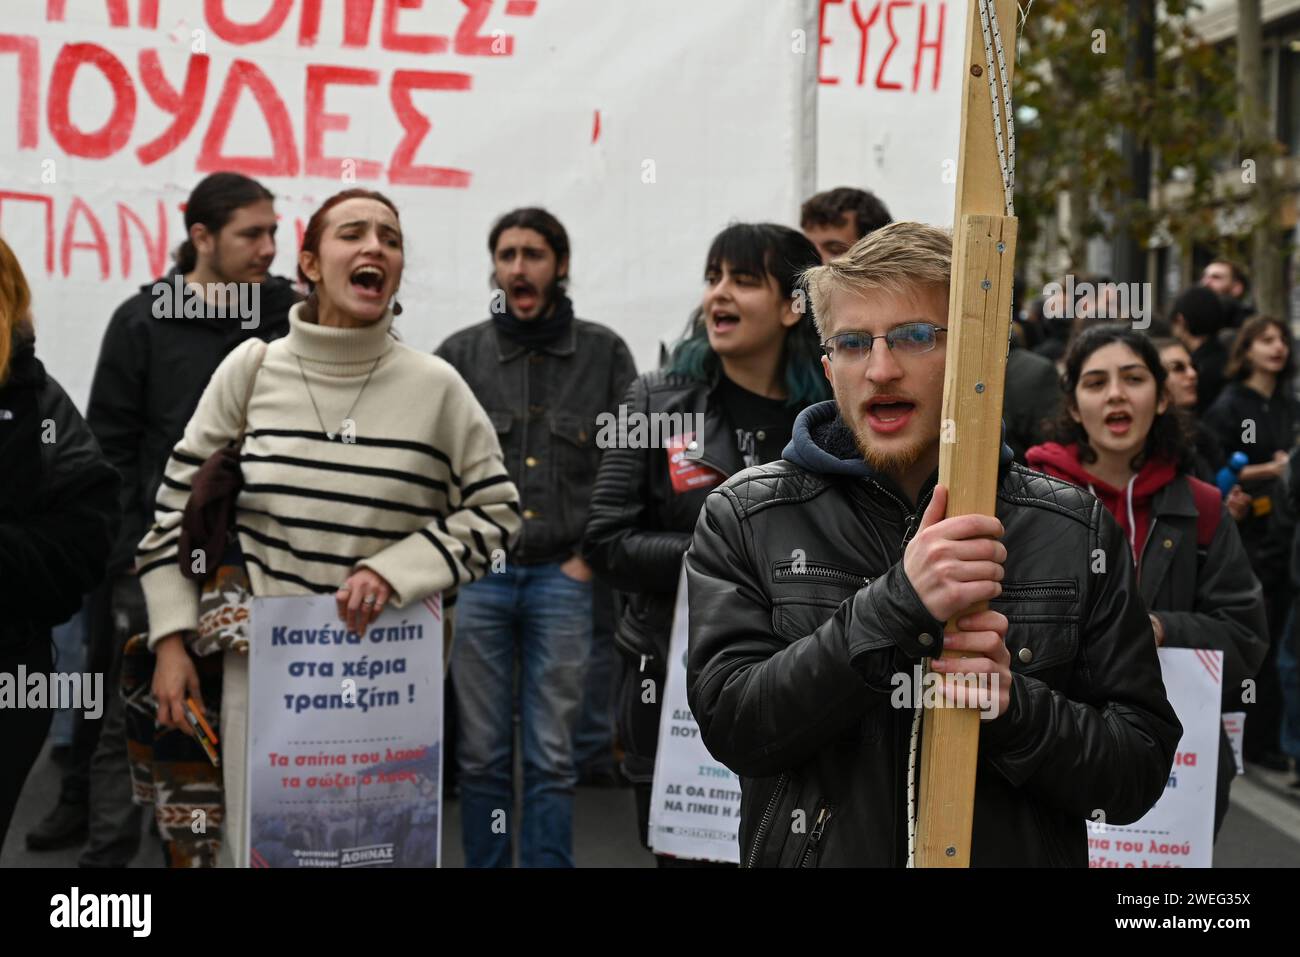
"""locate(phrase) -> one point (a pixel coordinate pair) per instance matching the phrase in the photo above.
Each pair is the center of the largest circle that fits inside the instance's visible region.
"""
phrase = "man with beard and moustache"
(544, 377)
(1230, 283)
(154, 362)
(817, 583)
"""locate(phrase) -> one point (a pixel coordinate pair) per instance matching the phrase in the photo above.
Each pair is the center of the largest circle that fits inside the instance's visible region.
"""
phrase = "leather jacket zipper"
(913, 518)
(887, 493)
(766, 820)
(1047, 591)
(815, 836)
(814, 570)
(913, 523)
(1137, 559)
(633, 651)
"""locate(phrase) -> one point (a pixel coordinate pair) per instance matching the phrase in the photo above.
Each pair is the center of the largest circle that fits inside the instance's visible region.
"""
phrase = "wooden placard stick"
(979, 318)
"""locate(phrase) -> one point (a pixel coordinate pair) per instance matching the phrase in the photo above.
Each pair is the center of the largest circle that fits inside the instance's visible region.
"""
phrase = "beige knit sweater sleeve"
(171, 598)
(482, 522)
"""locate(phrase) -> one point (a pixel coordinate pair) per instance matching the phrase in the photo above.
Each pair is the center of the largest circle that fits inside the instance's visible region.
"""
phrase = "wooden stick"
(979, 317)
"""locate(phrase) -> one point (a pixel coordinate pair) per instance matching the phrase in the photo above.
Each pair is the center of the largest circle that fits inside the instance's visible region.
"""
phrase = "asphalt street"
(1262, 828)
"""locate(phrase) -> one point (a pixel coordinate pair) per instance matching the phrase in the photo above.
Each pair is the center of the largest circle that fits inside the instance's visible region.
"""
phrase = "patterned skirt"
(170, 771)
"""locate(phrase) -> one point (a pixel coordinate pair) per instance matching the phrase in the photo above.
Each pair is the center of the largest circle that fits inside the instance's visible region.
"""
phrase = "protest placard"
(626, 123)
(345, 736)
(1234, 723)
(694, 801)
(1179, 830)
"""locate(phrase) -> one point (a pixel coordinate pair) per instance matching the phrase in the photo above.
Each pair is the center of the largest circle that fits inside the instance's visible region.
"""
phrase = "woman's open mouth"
(724, 321)
(1119, 423)
(368, 282)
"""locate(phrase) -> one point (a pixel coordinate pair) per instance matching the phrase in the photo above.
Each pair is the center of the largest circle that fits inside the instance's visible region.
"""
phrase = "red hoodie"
(1131, 505)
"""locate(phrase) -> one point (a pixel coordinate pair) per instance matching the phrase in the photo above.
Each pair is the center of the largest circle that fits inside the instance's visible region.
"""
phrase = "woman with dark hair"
(747, 364)
(1120, 437)
(1181, 387)
(370, 472)
(58, 515)
(1257, 414)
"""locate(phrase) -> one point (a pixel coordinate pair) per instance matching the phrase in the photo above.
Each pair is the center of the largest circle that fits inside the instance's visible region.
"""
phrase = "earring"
(397, 308)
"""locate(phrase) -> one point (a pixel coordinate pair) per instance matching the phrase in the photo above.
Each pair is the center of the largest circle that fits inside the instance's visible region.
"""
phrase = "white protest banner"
(889, 101)
(1179, 830)
(694, 801)
(646, 128)
(345, 736)
(1234, 723)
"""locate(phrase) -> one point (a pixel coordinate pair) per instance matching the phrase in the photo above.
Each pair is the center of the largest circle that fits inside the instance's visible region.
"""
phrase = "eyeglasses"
(909, 339)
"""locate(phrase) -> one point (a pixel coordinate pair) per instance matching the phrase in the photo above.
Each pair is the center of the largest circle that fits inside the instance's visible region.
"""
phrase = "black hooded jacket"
(58, 504)
(150, 374)
(801, 616)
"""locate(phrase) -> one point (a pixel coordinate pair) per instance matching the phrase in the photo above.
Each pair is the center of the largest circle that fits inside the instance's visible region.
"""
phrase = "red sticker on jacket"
(688, 473)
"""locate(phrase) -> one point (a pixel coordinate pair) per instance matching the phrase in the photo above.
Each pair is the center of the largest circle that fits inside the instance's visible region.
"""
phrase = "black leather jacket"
(637, 535)
(639, 527)
(792, 655)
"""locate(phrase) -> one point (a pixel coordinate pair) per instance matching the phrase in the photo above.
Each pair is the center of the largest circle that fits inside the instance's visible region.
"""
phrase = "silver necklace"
(346, 417)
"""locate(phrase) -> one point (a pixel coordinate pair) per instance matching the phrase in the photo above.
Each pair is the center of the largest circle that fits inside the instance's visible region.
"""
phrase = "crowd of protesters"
(369, 471)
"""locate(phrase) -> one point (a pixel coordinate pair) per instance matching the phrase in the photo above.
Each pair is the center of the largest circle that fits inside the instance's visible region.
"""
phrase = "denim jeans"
(69, 656)
(541, 618)
(593, 740)
(1288, 672)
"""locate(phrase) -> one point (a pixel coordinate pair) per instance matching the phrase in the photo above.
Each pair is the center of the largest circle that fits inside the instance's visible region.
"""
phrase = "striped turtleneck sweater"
(412, 485)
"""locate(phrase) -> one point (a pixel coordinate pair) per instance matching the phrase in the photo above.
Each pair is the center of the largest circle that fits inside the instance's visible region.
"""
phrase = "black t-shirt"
(761, 426)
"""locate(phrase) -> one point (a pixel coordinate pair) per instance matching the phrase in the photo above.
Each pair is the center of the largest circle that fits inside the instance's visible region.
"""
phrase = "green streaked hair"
(763, 249)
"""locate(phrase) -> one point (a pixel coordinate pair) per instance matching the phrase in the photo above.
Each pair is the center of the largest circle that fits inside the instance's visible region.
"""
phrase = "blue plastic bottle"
(1227, 476)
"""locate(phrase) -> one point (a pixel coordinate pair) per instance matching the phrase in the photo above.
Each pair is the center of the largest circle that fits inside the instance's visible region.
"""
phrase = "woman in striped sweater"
(369, 468)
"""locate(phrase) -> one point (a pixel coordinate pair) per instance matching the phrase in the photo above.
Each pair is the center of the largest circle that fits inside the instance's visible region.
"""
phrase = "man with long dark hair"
(544, 377)
(161, 347)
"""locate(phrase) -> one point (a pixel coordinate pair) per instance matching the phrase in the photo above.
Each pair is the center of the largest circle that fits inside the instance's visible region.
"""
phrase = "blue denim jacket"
(544, 404)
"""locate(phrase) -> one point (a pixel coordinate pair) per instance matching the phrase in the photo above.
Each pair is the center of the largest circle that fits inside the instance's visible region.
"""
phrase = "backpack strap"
(259, 356)
(1209, 510)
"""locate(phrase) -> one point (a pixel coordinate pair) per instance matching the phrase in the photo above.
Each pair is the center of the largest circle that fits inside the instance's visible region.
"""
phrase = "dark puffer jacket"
(792, 659)
(58, 504)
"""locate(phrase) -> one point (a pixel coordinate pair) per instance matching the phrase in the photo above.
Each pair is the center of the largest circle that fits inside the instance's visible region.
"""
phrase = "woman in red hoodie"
(1120, 437)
